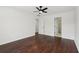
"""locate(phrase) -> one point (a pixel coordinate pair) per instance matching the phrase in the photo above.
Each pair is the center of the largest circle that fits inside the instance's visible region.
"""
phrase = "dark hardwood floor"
(40, 44)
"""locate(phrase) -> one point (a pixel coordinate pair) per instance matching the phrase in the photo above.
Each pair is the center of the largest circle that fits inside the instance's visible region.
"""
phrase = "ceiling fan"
(41, 9)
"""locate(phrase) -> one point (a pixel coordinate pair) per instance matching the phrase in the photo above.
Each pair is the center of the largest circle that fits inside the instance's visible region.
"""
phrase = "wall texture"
(15, 24)
(77, 27)
(68, 24)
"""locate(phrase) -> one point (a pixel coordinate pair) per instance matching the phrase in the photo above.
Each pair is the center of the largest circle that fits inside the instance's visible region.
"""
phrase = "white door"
(57, 27)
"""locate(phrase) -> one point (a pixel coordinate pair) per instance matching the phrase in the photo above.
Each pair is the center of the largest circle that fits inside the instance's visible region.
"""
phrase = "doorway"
(58, 26)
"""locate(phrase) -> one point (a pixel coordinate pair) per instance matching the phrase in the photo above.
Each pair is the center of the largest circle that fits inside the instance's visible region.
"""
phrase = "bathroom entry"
(58, 26)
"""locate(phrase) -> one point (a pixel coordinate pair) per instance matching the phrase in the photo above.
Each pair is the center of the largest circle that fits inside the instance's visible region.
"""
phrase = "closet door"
(57, 26)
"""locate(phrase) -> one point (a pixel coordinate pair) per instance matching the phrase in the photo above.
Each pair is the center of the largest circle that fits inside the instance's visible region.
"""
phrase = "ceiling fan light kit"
(41, 9)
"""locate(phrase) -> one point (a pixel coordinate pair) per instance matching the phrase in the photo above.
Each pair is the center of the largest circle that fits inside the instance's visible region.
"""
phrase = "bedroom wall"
(68, 25)
(15, 24)
(77, 27)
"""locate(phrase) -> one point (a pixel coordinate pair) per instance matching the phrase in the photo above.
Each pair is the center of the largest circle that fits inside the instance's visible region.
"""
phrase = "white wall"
(77, 27)
(46, 25)
(67, 24)
(15, 24)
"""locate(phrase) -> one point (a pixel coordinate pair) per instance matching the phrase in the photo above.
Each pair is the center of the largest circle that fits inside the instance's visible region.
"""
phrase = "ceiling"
(51, 9)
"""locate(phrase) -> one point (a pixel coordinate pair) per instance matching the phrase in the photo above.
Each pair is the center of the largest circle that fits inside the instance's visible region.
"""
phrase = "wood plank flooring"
(40, 44)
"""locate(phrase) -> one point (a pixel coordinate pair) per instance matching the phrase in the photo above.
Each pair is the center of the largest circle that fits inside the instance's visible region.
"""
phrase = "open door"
(57, 27)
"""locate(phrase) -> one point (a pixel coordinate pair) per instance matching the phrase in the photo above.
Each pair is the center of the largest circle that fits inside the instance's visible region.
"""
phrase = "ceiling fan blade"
(37, 8)
(44, 11)
(45, 8)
